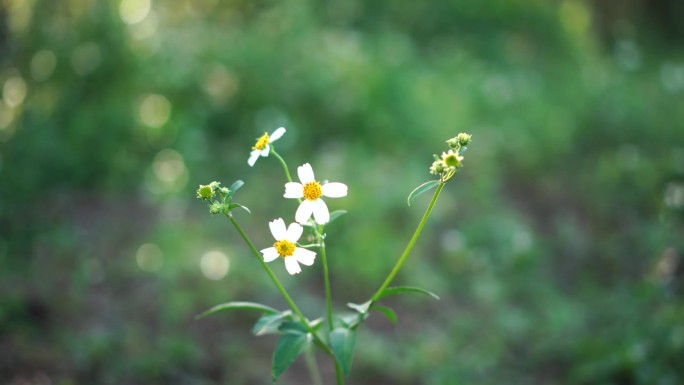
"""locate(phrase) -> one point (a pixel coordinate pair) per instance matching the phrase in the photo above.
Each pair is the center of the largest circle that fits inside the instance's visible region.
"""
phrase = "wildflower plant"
(334, 334)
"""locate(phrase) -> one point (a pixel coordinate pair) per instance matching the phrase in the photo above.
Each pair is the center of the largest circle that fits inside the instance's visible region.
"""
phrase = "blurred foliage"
(558, 251)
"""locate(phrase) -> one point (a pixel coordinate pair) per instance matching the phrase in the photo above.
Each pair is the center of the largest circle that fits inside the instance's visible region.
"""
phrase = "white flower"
(311, 191)
(262, 146)
(286, 248)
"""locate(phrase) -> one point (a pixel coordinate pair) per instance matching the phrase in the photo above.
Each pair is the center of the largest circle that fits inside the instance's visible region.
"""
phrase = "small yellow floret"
(261, 142)
(284, 248)
(312, 191)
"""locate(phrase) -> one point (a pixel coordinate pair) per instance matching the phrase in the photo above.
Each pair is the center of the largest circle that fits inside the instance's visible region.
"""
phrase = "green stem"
(410, 245)
(278, 285)
(326, 278)
(312, 366)
(282, 161)
(339, 375)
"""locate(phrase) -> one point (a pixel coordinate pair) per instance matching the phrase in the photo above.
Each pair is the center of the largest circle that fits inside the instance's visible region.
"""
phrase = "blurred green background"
(557, 251)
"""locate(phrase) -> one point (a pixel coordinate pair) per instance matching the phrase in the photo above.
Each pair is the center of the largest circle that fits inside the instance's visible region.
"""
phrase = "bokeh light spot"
(674, 195)
(14, 91)
(43, 64)
(168, 173)
(214, 265)
(149, 257)
(134, 11)
(154, 110)
(6, 116)
(168, 165)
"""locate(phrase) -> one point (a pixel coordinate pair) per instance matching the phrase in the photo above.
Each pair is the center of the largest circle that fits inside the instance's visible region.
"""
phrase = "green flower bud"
(205, 192)
(453, 142)
(216, 208)
(463, 139)
(437, 167)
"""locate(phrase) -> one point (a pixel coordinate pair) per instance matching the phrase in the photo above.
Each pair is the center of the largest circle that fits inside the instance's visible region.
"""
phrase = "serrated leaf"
(406, 289)
(427, 186)
(270, 324)
(238, 305)
(234, 205)
(343, 342)
(361, 308)
(288, 348)
(236, 186)
(336, 214)
(388, 312)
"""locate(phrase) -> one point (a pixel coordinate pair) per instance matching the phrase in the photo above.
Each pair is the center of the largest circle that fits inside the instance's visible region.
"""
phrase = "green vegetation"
(557, 252)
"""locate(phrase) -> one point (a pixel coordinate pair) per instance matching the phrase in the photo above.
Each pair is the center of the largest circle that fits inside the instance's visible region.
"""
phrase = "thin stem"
(312, 366)
(410, 245)
(278, 285)
(282, 161)
(326, 278)
(339, 375)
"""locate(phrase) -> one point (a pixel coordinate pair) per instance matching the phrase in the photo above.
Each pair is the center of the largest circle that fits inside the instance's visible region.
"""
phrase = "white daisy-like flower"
(286, 246)
(262, 146)
(312, 191)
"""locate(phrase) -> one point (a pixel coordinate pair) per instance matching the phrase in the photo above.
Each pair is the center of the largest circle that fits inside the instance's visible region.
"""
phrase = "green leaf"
(389, 313)
(238, 306)
(336, 214)
(270, 324)
(406, 289)
(234, 205)
(342, 342)
(235, 186)
(293, 327)
(289, 347)
(427, 186)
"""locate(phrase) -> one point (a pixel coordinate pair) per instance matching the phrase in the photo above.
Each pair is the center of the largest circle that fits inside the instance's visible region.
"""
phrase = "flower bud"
(437, 167)
(216, 208)
(463, 139)
(453, 142)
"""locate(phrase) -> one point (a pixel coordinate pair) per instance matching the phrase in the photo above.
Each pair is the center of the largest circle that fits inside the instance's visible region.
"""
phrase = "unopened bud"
(463, 139)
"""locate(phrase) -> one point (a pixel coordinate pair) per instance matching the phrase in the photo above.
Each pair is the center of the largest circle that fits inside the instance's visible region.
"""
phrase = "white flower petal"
(278, 229)
(277, 134)
(334, 190)
(304, 211)
(253, 156)
(294, 232)
(304, 256)
(292, 266)
(266, 150)
(320, 212)
(270, 254)
(294, 190)
(305, 173)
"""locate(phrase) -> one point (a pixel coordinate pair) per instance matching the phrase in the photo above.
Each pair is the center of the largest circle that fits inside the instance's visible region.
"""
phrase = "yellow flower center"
(261, 142)
(312, 191)
(284, 248)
